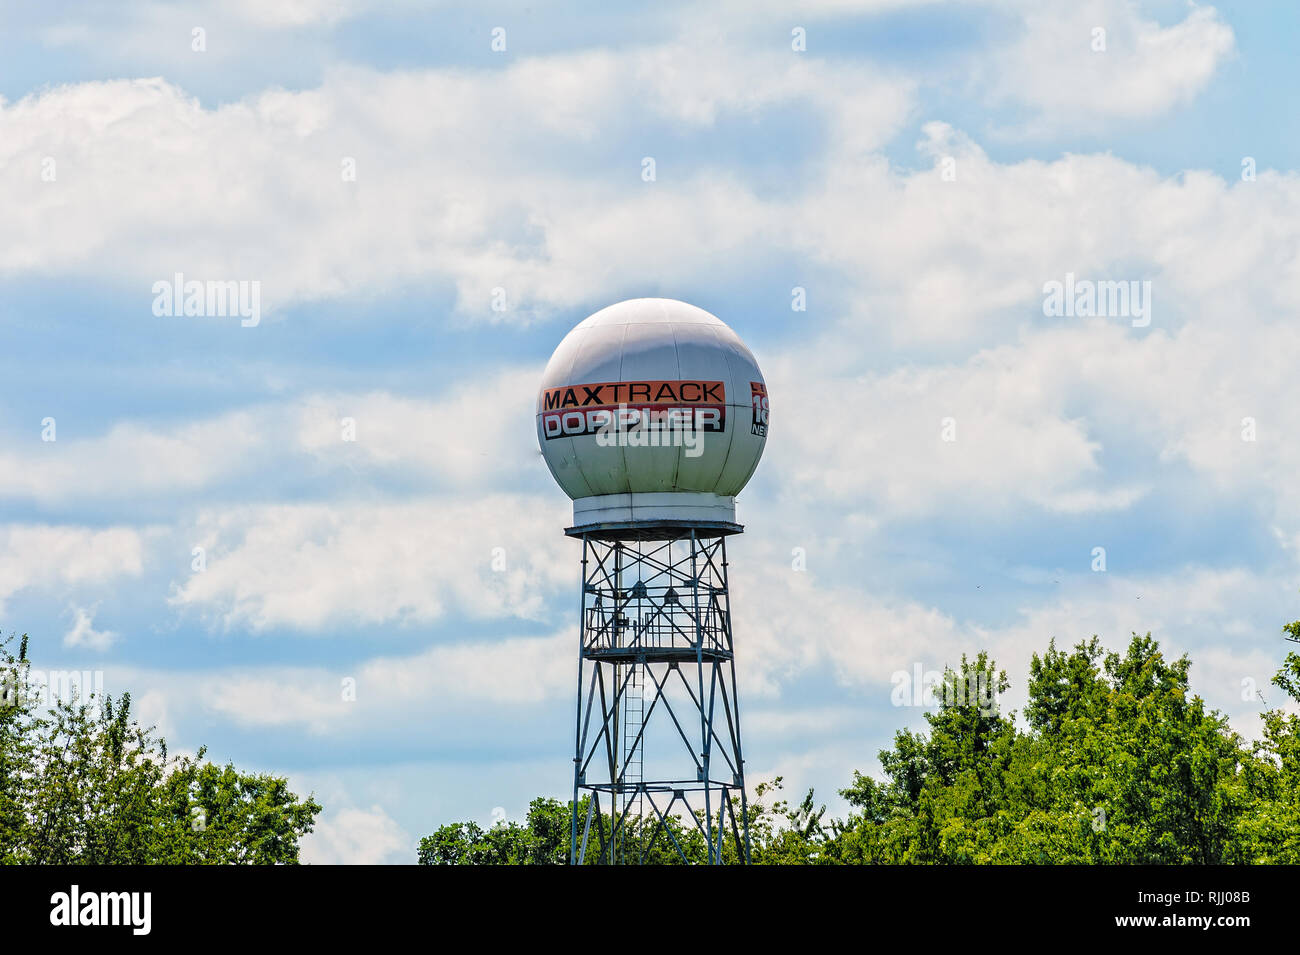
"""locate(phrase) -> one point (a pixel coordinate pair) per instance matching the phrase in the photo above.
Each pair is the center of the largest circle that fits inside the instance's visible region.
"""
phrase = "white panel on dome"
(598, 360)
(559, 453)
(561, 363)
(642, 311)
(738, 411)
(599, 357)
(697, 358)
(680, 313)
(746, 447)
(651, 355)
(650, 311)
(562, 458)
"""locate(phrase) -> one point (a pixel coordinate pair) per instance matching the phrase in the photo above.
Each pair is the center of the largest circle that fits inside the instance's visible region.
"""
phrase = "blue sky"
(127, 156)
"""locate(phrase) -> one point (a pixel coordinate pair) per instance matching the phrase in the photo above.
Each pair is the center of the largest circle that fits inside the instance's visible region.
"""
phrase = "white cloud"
(887, 436)
(480, 428)
(787, 722)
(1039, 402)
(84, 634)
(318, 566)
(368, 697)
(788, 624)
(1144, 69)
(947, 265)
(133, 460)
(52, 557)
(352, 836)
(294, 13)
(507, 201)
(468, 191)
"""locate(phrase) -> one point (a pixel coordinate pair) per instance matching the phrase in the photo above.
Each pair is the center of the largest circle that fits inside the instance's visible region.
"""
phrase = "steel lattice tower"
(656, 666)
(652, 416)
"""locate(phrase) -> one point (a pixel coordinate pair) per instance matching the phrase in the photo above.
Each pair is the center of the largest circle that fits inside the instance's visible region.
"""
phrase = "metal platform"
(662, 530)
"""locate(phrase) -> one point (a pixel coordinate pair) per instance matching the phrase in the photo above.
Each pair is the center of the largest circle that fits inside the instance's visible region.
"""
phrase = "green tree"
(1119, 763)
(83, 783)
(1116, 762)
(1268, 828)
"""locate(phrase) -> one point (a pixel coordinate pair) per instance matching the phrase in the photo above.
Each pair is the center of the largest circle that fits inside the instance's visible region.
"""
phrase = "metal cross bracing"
(657, 741)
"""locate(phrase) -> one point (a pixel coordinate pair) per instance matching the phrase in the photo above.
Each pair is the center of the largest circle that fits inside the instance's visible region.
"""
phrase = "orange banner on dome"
(624, 406)
(611, 394)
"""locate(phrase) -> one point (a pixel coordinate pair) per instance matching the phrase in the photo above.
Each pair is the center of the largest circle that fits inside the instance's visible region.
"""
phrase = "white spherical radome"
(652, 410)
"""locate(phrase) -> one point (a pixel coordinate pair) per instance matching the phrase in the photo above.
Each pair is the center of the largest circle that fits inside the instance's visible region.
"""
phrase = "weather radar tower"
(652, 415)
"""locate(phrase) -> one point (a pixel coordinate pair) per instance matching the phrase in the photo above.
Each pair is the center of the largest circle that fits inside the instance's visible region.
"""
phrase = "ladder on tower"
(633, 748)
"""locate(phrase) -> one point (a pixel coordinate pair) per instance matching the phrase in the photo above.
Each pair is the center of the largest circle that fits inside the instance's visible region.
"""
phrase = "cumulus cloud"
(84, 634)
(947, 322)
(440, 682)
(789, 624)
(282, 13)
(1074, 75)
(914, 437)
(481, 427)
(1029, 422)
(920, 279)
(478, 427)
(51, 557)
(468, 192)
(133, 459)
(947, 264)
(354, 836)
(512, 221)
(318, 566)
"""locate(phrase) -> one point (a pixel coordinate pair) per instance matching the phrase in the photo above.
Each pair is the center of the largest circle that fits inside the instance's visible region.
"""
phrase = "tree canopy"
(84, 783)
(1115, 761)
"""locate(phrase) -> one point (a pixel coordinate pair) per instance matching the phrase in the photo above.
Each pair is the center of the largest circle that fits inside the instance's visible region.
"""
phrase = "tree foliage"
(1115, 761)
(83, 783)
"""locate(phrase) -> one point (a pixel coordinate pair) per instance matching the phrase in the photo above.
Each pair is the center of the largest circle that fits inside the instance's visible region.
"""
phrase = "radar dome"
(652, 412)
